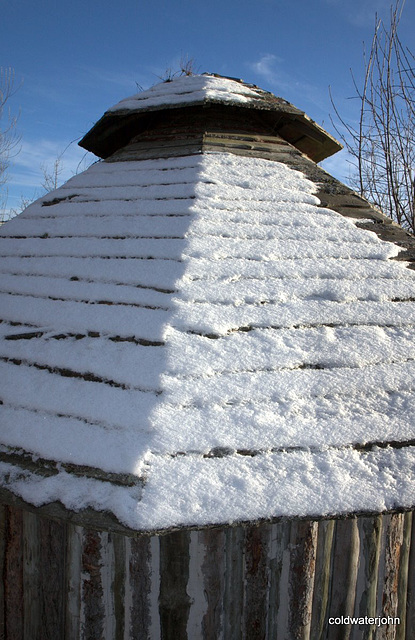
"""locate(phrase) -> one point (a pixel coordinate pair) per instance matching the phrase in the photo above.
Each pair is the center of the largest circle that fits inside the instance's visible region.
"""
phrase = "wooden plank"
(400, 632)
(107, 570)
(303, 544)
(118, 586)
(410, 602)
(256, 581)
(52, 538)
(158, 149)
(319, 620)
(196, 584)
(174, 602)
(139, 571)
(32, 569)
(279, 571)
(213, 541)
(3, 533)
(389, 576)
(276, 156)
(344, 575)
(370, 530)
(233, 588)
(92, 606)
(260, 138)
(74, 538)
(13, 575)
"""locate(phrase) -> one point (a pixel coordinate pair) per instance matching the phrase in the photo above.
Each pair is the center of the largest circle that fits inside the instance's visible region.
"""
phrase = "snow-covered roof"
(196, 340)
(193, 89)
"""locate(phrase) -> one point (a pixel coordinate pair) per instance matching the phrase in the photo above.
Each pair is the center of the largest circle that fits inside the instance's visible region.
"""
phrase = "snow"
(185, 90)
(155, 312)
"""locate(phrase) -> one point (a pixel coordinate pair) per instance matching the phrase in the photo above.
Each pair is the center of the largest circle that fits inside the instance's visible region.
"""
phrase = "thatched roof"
(201, 336)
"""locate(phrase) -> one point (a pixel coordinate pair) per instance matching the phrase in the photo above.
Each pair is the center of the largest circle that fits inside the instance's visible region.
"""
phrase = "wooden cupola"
(236, 108)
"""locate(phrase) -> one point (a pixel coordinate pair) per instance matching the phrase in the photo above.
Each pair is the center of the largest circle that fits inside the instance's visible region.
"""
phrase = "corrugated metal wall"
(277, 581)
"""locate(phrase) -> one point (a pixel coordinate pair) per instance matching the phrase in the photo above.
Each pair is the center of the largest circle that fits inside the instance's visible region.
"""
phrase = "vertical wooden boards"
(139, 587)
(301, 582)
(344, 575)
(233, 599)
(196, 586)
(118, 585)
(389, 574)
(403, 577)
(108, 569)
(73, 581)
(174, 602)
(13, 575)
(322, 579)
(279, 560)
(32, 584)
(257, 582)
(410, 603)
(3, 527)
(213, 580)
(92, 605)
(370, 530)
(52, 572)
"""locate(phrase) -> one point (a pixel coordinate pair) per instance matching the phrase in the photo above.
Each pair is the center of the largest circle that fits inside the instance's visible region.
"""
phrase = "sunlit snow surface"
(249, 323)
(186, 90)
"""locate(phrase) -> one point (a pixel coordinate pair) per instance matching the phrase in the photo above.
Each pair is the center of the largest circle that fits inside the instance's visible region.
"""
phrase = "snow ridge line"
(317, 366)
(66, 416)
(70, 373)
(69, 255)
(68, 278)
(234, 402)
(78, 336)
(135, 185)
(111, 216)
(188, 236)
(226, 280)
(89, 376)
(223, 452)
(95, 237)
(200, 301)
(45, 467)
(89, 302)
(274, 327)
(82, 199)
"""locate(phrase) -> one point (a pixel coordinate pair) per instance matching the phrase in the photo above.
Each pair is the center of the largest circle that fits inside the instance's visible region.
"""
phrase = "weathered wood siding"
(281, 580)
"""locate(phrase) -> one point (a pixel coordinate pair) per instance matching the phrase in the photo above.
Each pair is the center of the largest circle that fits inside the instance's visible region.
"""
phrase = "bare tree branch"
(9, 140)
(382, 146)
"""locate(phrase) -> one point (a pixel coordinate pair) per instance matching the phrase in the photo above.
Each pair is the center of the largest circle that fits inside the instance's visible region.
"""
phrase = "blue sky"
(74, 60)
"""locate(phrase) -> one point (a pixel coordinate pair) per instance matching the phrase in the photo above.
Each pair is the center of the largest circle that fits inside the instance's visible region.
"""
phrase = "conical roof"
(196, 339)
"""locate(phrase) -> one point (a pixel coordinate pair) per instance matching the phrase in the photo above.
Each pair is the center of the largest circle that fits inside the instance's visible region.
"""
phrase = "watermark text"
(378, 621)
